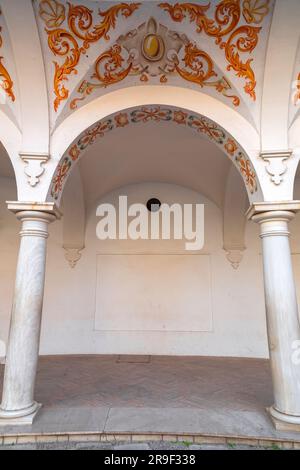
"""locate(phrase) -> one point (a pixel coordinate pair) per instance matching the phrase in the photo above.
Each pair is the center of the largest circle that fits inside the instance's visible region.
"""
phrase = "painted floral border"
(157, 114)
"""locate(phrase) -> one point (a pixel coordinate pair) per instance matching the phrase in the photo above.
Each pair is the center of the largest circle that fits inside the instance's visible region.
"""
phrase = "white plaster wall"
(238, 327)
(237, 296)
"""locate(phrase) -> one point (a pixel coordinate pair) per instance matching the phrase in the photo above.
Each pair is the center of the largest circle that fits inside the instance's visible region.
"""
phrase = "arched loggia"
(206, 128)
(197, 106)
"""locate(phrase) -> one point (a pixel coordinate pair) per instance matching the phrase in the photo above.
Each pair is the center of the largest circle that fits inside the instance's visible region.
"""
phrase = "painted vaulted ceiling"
(62, 61)
(8, 77)
(91, 48)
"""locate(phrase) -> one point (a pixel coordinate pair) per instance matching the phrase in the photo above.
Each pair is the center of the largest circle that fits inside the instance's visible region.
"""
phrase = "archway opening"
(176, 157)
(150, 298)
(140, 304)
(168, 115)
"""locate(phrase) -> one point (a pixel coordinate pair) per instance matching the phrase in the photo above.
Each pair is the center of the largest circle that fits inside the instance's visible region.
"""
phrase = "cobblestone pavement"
(123, 446)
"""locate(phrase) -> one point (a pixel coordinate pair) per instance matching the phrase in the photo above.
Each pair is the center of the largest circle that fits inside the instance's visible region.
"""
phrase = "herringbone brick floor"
(158, 382)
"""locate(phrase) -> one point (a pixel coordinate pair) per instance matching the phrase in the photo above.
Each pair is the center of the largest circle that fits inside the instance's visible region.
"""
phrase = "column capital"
(274, 209)
(38, 208)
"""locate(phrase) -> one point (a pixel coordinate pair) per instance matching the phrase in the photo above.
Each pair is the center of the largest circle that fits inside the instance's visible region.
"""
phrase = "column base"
(22, 417)
(284, 422)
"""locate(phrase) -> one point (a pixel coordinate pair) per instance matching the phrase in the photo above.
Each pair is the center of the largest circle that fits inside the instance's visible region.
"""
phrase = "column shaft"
(282, 315)
(23, 345)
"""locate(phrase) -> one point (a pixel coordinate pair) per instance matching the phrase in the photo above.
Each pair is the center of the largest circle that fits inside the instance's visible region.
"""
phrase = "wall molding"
(276, 164)
(34, 166)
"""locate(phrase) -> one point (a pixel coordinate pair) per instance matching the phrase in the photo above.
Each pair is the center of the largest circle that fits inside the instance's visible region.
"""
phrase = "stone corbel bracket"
(34, 166)
(235, 256)
(276, 164)
(72, 255)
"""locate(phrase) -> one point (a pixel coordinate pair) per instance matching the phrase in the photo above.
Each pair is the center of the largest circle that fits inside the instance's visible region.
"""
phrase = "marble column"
(281, 309)
(18, 405)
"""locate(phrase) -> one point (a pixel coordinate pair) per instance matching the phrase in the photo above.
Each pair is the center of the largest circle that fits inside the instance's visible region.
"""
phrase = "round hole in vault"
(153, 205)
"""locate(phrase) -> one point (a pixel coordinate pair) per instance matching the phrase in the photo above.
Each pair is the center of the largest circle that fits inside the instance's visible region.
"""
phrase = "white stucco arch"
(125, 98)
(26, 48)
(294, 144)
(294, 134)
(235, 206)
(11, 138)
(280, 61)
(195, 102)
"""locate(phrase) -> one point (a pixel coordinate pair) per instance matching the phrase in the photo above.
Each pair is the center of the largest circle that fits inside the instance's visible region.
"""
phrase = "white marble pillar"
(18, 405)
(282, 312)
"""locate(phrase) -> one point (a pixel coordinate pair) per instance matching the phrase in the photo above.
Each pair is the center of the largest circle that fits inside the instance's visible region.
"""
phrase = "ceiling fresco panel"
(8, 82)
(216, 47)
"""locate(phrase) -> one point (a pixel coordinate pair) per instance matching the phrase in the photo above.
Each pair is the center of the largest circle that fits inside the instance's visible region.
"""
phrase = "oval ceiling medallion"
(153, 47)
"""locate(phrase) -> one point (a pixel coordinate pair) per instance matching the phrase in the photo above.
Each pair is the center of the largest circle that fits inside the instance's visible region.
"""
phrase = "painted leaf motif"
(156, 114)
(254, 11)
(52, 12)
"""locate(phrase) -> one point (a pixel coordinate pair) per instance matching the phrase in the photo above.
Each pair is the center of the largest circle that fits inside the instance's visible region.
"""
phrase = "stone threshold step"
(23, 438)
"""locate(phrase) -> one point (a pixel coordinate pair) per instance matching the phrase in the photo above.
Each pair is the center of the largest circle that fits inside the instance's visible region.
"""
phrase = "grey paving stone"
(19, 447)
(165, 445)
(92, 446)
(207, 447)
(148, 446)
(131, 446)
(145, 420)
(193, 421)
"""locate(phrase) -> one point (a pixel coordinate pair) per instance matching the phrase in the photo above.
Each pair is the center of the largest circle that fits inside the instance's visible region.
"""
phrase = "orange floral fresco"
(254, 11)
(234, 38)
(231, 146)
(162, 54)
(6, 82)
(297, 94)
(72, 41)
(246, 171)
(52, 12)
(234, 25)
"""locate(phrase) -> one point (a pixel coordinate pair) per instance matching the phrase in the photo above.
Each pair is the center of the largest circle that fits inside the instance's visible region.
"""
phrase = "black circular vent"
(153, 205)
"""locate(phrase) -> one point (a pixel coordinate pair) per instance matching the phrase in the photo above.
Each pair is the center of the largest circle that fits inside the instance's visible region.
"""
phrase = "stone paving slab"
(59, 420)
(188, 421)
(145, 421)
(143, 446)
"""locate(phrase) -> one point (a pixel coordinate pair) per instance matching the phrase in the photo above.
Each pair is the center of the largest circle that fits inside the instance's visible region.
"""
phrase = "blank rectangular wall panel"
(153, 293)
